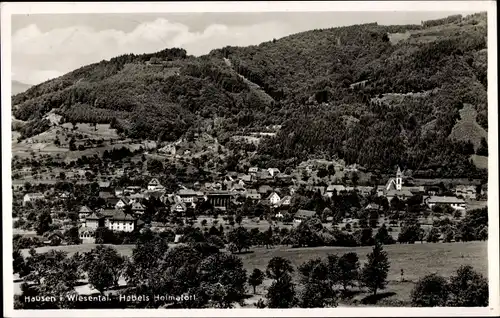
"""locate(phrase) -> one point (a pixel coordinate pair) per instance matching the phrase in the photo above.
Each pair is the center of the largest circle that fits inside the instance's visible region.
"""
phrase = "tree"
(18, 262)
(433, 235)
(72, 145)
(374, 274)
(348, 268)
(240, 237)
(224, 273)
(104, 266)
(103, 235)
(279, 267)
(155, 166)
(410, 233)
(468, 288)
(383, 236)
(43, 223)
(430, 291)
(281, 293)
(72, 236)
(239, 219)
(483, 148)
(256, 278)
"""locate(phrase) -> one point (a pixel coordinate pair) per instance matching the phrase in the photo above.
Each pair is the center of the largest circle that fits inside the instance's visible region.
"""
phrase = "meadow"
(416, 260)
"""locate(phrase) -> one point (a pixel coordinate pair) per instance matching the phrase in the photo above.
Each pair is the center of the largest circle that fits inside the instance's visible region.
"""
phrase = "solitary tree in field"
(374, 274)
(281, 293)
(256, 278)
(430, 291)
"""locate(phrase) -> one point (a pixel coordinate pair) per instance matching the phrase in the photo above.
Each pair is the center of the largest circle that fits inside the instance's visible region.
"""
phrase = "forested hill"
(370, 94)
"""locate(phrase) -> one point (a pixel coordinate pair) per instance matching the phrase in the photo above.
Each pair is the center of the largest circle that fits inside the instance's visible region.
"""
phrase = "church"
(395, 188)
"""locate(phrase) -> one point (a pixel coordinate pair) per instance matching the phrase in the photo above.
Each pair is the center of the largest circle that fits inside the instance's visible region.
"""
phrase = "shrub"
(430, 291)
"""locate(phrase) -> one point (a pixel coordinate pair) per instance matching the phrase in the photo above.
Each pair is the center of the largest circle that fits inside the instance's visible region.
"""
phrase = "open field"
(416, 260)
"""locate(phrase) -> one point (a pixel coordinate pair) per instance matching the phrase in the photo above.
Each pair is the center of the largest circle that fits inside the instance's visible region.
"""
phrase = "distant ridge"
(18, 87)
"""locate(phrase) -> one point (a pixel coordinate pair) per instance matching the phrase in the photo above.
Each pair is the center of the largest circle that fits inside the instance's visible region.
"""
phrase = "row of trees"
(206, 277)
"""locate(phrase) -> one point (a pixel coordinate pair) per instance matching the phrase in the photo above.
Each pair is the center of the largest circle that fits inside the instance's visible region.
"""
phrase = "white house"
(119, 221)
(32, 197)
(87, 235)
(187, 195)
(286, 201)
(122, 203)
(154, 185)
(303, 215)
(274, 199)
(94, 221)
(455, 203)
(253, 170)
(179, 208)
(273, 171)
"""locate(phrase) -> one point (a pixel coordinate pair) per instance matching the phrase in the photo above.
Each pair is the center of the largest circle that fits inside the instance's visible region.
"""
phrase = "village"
(262, 198)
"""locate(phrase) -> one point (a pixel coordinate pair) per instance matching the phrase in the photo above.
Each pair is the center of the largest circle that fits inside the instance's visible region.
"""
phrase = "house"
(132, 189)
(373, 207)
(454, 202)
(138, 208)
(274, 199)
(219, 199)
(32, 197)
(246, 178)
(273, 171)
(95, 220)
(264, 176)
(180, 208)
(467, 192)
(54, 237)
(253, 170)
(286, 178)
(334, 188)
(238, 188)
(87, 235)
(187, 195)
(122, 203)
(364, 190)
(119, 192)
(302, 215)
(279, 215)
(321, 190)
(119, 221)
(264, 189)
(285, 201)
(104, 186)
(83, 213)
(154, 185)
(253, 194)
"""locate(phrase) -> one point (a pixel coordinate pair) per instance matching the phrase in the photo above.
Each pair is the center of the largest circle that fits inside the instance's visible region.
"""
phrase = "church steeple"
(399, 179)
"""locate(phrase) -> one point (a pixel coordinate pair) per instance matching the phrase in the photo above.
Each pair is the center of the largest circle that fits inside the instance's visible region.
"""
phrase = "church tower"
(399, 180)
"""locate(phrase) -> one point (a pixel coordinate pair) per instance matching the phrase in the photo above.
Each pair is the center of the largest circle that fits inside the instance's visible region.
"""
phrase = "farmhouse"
(180, 208)
(187, 195)
(302, 215)
(253, 170)
(32, 197)
(138, 208)
(274, 199)
(273, 171)
(285, 201)
(84, 212)
(253, 194)
(467, 192)
(154, 185)
(455, 203)
(118, 192)
(334, 188)
(119, 221)
(122, 203)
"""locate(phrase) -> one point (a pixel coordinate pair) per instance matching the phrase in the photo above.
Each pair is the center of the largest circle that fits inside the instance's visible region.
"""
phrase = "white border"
(7, 9)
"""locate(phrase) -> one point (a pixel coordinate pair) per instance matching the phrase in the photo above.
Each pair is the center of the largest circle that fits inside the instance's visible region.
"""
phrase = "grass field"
(416, 260)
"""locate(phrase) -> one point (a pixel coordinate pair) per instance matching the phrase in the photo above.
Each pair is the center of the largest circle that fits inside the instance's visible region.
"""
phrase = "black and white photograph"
(250, 158)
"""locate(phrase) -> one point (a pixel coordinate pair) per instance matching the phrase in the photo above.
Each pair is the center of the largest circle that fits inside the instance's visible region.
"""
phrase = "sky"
(46, 46)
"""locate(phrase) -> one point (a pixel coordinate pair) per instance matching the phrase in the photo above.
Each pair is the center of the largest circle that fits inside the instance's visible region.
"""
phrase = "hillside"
(400, 87)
